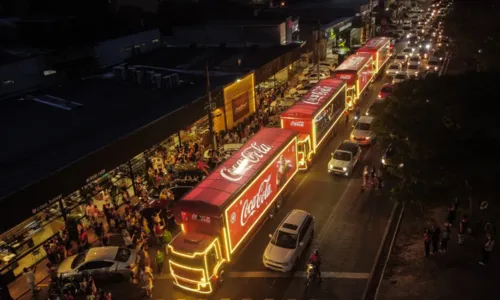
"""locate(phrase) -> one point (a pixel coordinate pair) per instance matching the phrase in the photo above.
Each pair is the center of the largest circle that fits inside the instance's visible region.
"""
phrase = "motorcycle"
(311, 274)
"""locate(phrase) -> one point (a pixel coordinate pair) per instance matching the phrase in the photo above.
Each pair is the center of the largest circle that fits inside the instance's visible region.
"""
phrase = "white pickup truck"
(345, 158)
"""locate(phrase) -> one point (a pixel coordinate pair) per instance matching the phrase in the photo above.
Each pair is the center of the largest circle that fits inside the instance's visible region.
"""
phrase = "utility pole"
(317, 48)
(209, 109)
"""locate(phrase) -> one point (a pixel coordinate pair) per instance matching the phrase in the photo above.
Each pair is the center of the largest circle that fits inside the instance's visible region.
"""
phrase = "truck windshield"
(285, 240)
(340, 155)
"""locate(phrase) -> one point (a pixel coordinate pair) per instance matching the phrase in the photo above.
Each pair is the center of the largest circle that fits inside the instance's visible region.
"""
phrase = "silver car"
(393, 69)
(413, 69)
(400, 59)
(400, 77)
(100, 261)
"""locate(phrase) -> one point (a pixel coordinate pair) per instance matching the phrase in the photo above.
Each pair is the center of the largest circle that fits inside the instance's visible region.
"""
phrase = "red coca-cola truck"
(315, 117)
(224, 210)
(381, 50)
(357, 70)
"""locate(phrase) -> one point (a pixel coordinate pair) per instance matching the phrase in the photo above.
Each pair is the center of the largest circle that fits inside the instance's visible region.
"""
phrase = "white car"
(413, 70)
(433, 65)
(99, 261)
(407, 51)
(414, 59)
(362, 133)
(400, 77)
(393, 69)
(289, 241)
(314, 78)
(400, 59)
(345, 158)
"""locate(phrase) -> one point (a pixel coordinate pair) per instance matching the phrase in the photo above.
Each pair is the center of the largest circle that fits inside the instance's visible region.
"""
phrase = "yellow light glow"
(195, 253)
(226, 243)
(182, 228)
(331, 127)
(293, 141)
(200, 282)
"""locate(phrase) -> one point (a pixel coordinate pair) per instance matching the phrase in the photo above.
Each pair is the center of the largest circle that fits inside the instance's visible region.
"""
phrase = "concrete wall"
(229, 35)
(117, 50)
(25, 75)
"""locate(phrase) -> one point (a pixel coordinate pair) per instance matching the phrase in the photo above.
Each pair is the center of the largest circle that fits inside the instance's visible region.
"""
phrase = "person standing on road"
(445, 238)
(462, 228)
(346, 118)
(159, 259)
(436, 235)
(488, 247)
(427, 242)
(452, 214)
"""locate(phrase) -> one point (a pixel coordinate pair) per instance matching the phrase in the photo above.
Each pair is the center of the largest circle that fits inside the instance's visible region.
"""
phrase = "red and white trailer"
(222, 212)
(357, 70)
(381, 50)
(315, 117)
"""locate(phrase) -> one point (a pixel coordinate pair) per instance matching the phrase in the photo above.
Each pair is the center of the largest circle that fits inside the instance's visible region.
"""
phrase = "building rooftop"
(53, 128)
(56, 127)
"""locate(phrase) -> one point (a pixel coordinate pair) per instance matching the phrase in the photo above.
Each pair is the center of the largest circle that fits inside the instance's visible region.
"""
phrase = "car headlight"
(352, 136)
(330, 166)
(368, 137)
(344, 168)
(427, 67)
(383, 161)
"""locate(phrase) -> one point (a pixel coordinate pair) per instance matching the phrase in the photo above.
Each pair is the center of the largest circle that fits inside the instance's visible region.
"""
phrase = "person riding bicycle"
(315, 260)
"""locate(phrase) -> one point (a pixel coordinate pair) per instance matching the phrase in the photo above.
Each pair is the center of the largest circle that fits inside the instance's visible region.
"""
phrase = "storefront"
(337, 35)
(239, 100)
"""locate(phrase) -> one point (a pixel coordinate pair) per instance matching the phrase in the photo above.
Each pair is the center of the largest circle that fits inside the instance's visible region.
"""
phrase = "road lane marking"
(267, 274)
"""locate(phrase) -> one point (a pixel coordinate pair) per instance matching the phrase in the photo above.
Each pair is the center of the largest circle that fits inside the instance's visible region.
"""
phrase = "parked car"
(99, 262)
(289, 241)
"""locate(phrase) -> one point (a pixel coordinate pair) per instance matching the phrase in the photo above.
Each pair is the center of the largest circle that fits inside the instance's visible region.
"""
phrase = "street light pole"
(210, 108)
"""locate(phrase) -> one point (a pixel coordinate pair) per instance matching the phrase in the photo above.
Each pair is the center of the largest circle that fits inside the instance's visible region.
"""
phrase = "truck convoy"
(357, 70)
(219, 215)
(315, 117)
(381, 50)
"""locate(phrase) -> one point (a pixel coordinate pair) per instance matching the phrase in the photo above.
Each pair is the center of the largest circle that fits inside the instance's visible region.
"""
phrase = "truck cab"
(196, 262)
(304, 151)
(345, 158)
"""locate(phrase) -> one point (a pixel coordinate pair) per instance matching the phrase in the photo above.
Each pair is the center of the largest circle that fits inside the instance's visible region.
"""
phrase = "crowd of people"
(438, 239)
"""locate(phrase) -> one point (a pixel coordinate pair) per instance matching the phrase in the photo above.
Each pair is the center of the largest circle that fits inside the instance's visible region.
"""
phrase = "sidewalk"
(452, 275)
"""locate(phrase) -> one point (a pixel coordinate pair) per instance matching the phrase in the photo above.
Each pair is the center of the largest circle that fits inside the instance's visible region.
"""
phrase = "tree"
(445, 132)
(475, 28)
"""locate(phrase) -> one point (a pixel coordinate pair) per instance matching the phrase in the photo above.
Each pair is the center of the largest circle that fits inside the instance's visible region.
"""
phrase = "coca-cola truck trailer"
(223, 211)
(380, 49)
(357, 71)
(315, 117)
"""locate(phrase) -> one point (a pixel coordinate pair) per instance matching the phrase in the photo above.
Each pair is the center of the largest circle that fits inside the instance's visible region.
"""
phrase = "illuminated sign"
(353, 62)
(376, 43)
(317, 94)
(345, 76)
(249, 156)
(201, 218)
(244, 213)
(345, 27)
(297, 123)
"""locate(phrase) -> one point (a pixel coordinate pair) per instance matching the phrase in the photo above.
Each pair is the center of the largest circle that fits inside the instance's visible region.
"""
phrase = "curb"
(379, 252)
(389, 252)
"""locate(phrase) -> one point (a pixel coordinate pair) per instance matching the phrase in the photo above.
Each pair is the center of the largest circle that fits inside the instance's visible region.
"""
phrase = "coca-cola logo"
(317, 94)
(345, 77)
(250, 206)
(240, 108)
(249, 156)
(297, 123)
(354, 62)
